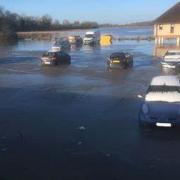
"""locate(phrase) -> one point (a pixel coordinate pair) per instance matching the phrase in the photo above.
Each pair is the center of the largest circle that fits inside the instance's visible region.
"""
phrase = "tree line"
(10, 23)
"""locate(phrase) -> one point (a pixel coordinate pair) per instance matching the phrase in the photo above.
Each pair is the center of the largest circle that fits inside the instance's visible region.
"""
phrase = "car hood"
(167, 97)
(46, 59)
(88, 39)
(164, 110)
(171, 60)
(172, 56)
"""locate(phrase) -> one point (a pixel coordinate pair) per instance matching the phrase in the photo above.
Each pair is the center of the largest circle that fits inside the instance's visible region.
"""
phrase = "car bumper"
(146, 120)
(89, 42)
(47, 63)
(116, 66)
(170, 65)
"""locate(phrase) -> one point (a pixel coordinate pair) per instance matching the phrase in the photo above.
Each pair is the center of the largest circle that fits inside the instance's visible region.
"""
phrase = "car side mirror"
(140, 96)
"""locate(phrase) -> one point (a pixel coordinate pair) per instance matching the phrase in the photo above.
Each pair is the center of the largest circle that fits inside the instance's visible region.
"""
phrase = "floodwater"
(80, 121)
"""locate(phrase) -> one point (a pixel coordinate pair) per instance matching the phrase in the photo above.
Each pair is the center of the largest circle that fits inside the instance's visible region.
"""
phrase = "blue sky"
(102, 11)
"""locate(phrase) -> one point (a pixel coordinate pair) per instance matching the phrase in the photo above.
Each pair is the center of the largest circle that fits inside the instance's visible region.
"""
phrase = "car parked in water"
(92, 38)
(55, 57)
(161, 106)
(120, 60)
(171, 59)
(75, 40)
(62, 43)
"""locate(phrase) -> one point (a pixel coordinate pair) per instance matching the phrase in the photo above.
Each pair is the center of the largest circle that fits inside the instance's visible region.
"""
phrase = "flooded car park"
(80, 121)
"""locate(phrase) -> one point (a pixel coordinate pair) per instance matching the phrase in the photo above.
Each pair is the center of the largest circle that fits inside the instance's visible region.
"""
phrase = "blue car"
(161, 106)
(120, 60)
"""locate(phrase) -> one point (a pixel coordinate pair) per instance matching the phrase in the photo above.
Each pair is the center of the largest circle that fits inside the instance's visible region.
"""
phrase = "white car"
(161, 106)
(171, 59)
(92, 38)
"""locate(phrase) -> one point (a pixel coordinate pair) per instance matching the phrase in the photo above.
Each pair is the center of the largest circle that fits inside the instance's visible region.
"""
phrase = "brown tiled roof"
(170, 16)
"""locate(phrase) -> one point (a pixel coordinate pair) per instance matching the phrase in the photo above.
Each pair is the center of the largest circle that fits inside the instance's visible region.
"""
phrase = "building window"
(172, 28)
(160, 27)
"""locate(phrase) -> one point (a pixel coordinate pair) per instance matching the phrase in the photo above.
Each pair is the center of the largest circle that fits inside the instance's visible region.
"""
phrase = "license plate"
(116, 61)
(163, 124)
(47, 63)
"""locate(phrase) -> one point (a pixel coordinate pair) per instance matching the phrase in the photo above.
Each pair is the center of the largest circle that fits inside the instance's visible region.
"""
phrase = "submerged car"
(171, 59)
(161, 107)
(120, 60)
(92, 38)
(62, 43)
(55, 57)
(77, 40)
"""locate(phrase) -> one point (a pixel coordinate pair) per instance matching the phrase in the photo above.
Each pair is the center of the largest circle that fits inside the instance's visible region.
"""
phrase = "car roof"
(74, 36)
(121, 54)
(173, 51)
(92, 32)
(51, 51)
(165, 80)
(54, 49)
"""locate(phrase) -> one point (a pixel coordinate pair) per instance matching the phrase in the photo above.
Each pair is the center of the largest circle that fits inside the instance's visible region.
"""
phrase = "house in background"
(167, 26)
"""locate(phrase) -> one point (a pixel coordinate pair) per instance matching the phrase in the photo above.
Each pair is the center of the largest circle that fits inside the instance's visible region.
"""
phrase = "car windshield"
(60, 41)
(89, 36)
(50, 54)
(119, 56)
(163, 89)
(172, 53)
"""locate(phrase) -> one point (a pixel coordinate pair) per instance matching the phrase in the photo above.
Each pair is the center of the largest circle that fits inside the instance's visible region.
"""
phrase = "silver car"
(161, 106)
(171, 59)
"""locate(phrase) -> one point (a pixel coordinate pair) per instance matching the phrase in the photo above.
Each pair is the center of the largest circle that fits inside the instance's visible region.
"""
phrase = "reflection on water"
(6, 49)
(127, 31)
(76, 47)
(91, 48)
(33, 46)
(54, 70)
(159, 51)
(170, 71)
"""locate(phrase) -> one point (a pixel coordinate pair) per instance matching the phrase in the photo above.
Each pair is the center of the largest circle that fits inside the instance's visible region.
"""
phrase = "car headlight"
(145, 109)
